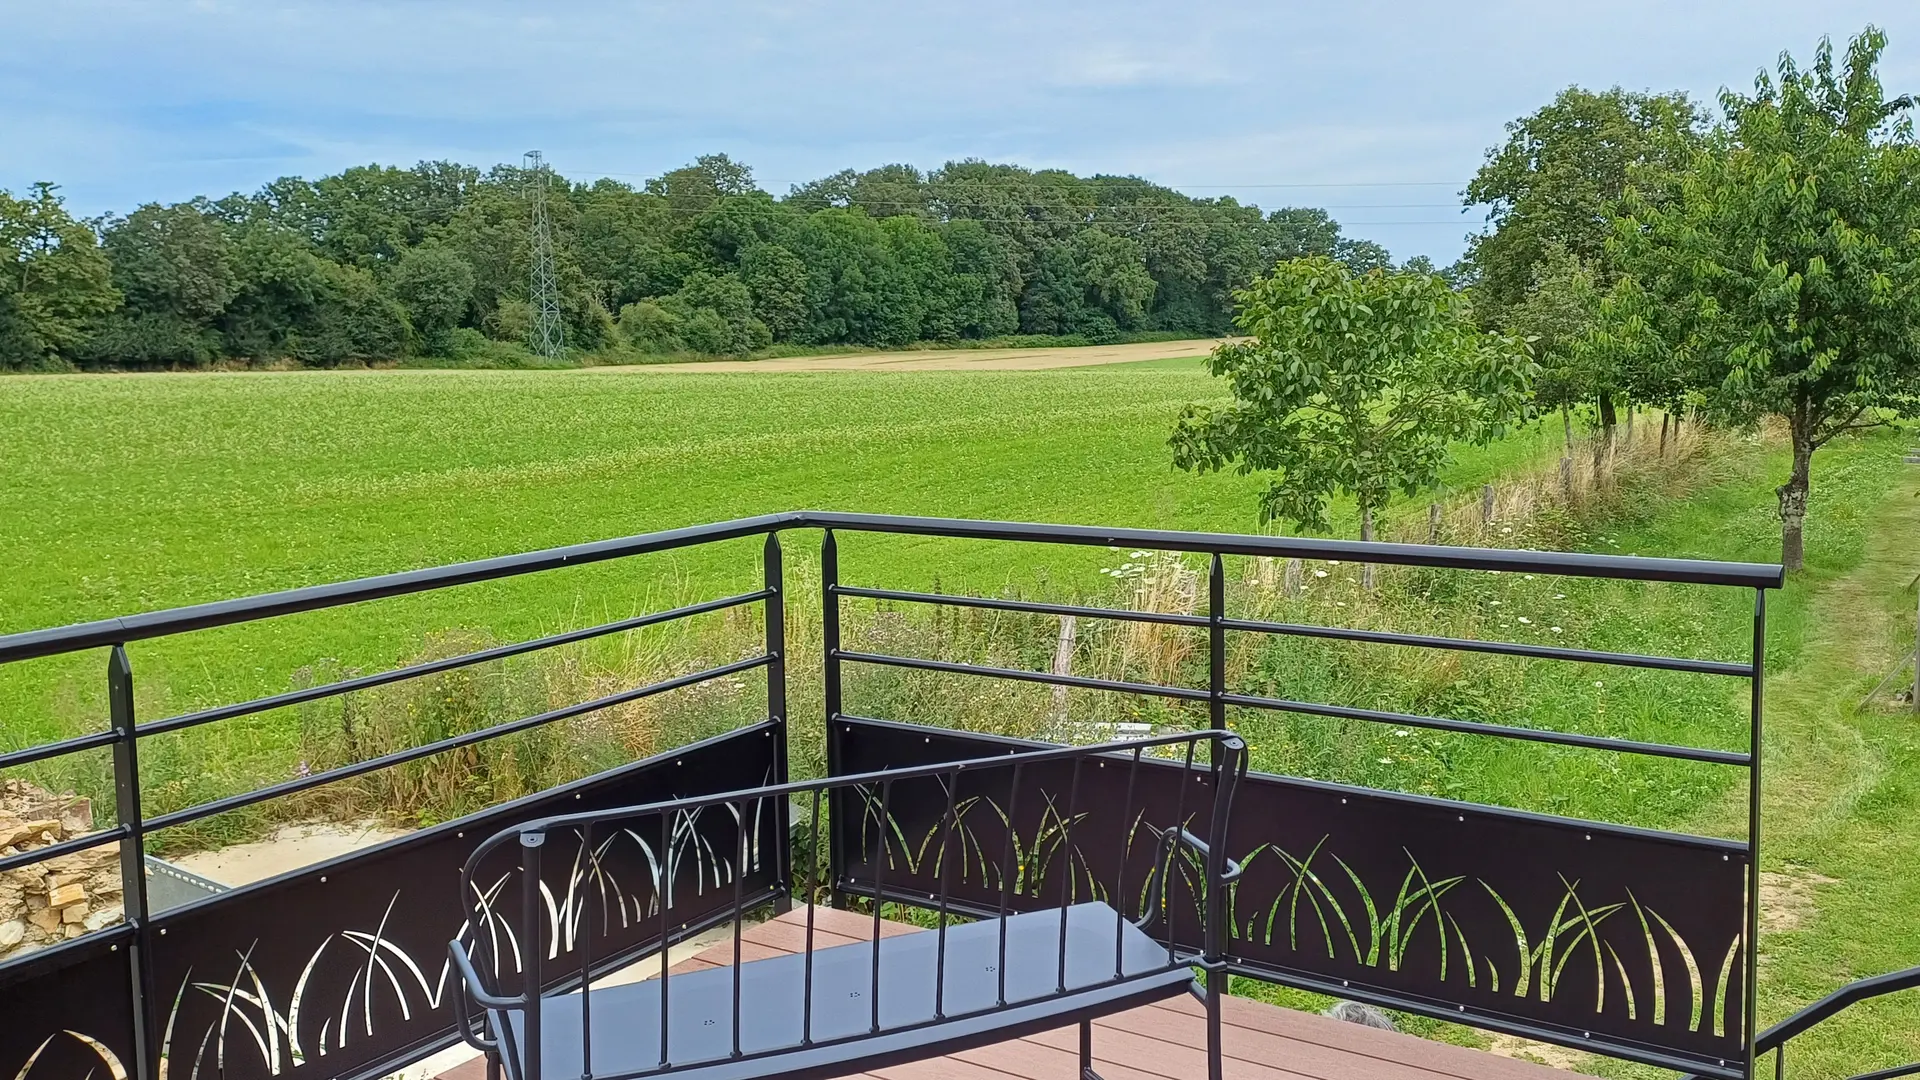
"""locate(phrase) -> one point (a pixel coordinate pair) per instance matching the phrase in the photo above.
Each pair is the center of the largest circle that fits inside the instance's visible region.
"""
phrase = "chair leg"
(1086, 1051)
(493, 1065)
(1216, 987)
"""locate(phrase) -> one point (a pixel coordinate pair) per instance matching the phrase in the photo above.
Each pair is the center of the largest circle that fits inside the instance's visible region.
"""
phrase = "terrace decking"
(1165, 1041)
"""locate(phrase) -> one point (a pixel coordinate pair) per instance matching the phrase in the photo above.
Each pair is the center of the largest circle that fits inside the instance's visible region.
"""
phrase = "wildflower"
(1555, 629)
(1333, 562)
(1524, 621)
(1139, 554)
(1506, 528)
(1401, 733)
(1559, 596)
(1526, 577)
(1495, 603)
(1598, 685)
(1339, 603)
(1385, 760)
(1319, 573)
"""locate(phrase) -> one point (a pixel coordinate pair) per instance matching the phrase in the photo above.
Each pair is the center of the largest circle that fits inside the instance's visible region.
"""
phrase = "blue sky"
(1379, 110)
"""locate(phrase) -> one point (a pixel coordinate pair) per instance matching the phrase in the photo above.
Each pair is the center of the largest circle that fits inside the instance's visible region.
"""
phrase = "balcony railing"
(1622, 941)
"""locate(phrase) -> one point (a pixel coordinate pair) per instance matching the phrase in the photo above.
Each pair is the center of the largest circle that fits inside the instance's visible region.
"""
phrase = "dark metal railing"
(1776, 1039)
(125, 732)
(134, 824)
(1219, 696)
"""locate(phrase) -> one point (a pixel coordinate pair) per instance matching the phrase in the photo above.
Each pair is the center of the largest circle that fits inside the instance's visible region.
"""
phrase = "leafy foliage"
(56, 280)
(1789, 253)
(884, 257)
(1351, 384)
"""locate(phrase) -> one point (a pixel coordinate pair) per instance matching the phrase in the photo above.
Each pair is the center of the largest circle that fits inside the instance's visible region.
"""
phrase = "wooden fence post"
(1433, 523)
(1063, 665)
(1486, 505)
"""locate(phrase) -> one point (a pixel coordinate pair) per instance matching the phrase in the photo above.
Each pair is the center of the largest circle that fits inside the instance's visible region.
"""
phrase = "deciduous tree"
(1792, 243)
(1351, 384)
(56, 281)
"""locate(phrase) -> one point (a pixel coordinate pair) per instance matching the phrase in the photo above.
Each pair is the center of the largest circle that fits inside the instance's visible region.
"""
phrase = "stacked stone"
(48, 902)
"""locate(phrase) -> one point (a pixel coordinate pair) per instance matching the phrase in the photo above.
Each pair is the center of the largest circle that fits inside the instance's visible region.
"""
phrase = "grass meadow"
(129, 494)
(125, 494)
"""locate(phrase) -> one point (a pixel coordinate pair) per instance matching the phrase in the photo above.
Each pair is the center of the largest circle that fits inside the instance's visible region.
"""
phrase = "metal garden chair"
(1027, 938)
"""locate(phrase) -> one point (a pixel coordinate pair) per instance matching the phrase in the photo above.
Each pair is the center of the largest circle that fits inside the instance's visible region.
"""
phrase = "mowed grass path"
(133, 493)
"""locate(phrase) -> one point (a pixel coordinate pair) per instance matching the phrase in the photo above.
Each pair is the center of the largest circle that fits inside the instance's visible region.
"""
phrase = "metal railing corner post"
(133, 860)
(1217, 643)
(773, 568)
(830, 650)
(1749, 1027)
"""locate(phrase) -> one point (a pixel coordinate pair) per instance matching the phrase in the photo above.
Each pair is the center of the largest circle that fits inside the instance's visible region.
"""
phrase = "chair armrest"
(470, 992)
(1169, 840)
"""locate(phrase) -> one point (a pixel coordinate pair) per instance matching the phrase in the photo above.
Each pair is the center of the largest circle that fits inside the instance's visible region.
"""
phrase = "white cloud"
(1120, 64)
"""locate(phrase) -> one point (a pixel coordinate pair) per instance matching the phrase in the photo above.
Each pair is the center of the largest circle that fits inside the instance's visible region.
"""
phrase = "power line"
(545, 336)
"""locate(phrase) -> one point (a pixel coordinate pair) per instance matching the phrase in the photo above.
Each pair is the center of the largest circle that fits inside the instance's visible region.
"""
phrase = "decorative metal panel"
(67, 1013)
(1599, 934)
(342, 970)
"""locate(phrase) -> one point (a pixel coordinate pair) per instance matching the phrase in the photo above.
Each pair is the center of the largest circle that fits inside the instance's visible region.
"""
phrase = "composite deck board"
(1161, 1041)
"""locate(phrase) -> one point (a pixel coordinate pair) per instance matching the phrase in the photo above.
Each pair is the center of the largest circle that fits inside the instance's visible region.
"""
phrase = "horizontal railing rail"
(120, 631)
(451, 663)
(452, 742)
(1572, 564)
(124, 629)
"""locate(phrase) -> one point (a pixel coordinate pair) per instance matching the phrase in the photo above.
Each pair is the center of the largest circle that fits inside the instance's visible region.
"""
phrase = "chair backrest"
(957, 827)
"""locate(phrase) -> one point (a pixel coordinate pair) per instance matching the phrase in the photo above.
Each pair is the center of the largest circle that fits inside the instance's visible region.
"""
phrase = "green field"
(129, 494)
(126, 494)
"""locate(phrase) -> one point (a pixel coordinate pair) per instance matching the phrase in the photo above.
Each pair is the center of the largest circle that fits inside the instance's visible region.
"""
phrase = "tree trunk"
(1664, 418)
(1631, 408)
(1292, 578)
(1366, 536)
(1793, 493)
(1433, 523)
(1603, 450)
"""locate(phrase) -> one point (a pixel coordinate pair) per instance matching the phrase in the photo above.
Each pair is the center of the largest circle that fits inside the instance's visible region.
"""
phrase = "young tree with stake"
(1792, 245)
(1351, 385)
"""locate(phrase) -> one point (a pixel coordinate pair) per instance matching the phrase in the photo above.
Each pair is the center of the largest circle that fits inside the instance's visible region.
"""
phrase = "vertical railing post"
(133, 859)
(1217, 665)
(1217, 644)
(531, 910)
(839, 823)
(1752, 948)
(776, 647)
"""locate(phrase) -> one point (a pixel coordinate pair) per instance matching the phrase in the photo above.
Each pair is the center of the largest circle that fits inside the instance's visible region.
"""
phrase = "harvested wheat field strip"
(1047, 359)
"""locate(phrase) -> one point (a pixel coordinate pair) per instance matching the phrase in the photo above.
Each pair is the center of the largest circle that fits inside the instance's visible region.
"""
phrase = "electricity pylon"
(546, 336)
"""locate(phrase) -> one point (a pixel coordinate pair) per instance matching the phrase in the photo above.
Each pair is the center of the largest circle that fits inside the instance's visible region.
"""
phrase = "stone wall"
(49, 902)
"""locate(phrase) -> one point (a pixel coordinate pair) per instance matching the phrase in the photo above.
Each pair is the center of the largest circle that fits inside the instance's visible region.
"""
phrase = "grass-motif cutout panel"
(1623, 936)
(343, 968)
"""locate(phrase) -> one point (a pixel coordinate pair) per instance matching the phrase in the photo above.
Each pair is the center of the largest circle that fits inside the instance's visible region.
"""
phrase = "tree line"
(378, 263)
(1760, 262)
